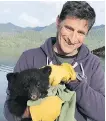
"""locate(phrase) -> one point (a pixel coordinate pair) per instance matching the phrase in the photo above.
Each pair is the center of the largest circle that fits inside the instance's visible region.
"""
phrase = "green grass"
(13, 44)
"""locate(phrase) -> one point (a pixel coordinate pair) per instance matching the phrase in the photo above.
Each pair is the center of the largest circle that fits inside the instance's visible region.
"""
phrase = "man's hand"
(64, 72)
(26, 113)
(48, 110)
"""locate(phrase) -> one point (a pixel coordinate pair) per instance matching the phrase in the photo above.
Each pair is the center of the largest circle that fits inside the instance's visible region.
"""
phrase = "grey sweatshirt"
(90, 91)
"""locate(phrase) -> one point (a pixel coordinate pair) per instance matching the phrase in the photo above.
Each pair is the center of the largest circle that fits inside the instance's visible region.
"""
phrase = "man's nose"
(73, 38)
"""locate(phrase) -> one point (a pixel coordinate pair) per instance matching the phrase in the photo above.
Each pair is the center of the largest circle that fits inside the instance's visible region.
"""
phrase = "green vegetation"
(12, 44)
(96, 38)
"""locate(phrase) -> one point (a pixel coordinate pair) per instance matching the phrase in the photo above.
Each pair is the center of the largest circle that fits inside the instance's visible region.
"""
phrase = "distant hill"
(14, 39)
(39, 28)
(97, 27)
(9, 27)
(51, 28)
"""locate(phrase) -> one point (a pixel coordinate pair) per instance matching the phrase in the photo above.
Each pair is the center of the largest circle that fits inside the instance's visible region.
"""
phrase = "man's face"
(70, 35)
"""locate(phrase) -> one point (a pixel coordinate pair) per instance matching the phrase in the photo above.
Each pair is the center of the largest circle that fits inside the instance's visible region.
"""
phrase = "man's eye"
(81, 33)
(69, 28)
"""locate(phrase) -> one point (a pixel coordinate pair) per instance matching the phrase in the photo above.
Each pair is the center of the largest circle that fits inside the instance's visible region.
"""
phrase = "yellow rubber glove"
(48, 110)
(63, 72)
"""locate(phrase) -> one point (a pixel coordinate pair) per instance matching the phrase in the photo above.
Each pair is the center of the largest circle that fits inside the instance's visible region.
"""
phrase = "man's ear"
(11, 76)
(58, 22)
(46, 70)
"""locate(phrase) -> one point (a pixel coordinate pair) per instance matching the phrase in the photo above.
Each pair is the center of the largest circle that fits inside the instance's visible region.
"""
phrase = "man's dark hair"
(78, 9)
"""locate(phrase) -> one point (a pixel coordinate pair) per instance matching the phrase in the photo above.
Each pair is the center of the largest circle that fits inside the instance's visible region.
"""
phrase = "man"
(73, 24)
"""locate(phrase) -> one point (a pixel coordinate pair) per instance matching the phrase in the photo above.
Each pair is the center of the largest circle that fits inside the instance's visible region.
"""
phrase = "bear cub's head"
(31, 83)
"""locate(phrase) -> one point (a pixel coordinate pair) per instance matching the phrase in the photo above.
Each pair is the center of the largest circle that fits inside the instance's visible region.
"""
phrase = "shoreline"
(9, 61)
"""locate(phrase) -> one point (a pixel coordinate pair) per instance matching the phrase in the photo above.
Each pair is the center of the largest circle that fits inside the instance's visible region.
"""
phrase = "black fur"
(28, 84)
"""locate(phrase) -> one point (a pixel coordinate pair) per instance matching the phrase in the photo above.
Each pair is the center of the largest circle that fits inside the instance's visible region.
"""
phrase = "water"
(3, 86)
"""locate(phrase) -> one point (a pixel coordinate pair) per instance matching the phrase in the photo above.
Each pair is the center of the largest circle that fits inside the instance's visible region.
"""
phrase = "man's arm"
(91, 98)
(21, 65)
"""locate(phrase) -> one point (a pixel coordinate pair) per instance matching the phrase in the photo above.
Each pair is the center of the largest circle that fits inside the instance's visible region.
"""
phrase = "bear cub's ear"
(47, 70)
(11, 76)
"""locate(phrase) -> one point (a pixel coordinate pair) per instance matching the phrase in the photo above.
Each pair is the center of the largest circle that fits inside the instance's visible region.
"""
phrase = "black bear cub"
(28, 84)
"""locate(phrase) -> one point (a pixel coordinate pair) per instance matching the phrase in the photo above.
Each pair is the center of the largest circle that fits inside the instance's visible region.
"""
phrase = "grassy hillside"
(12, 44)
(95, 38)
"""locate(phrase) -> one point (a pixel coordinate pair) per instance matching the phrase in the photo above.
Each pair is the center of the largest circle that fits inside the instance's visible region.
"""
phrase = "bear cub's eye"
(38, 84)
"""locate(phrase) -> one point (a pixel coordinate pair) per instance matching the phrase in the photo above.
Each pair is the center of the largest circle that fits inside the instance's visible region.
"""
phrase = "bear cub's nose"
(34, 97)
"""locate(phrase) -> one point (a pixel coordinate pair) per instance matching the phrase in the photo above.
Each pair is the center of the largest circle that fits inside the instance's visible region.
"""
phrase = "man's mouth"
(68, 41)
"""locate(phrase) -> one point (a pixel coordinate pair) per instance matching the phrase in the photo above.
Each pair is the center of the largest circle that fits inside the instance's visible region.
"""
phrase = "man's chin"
(70, 53)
